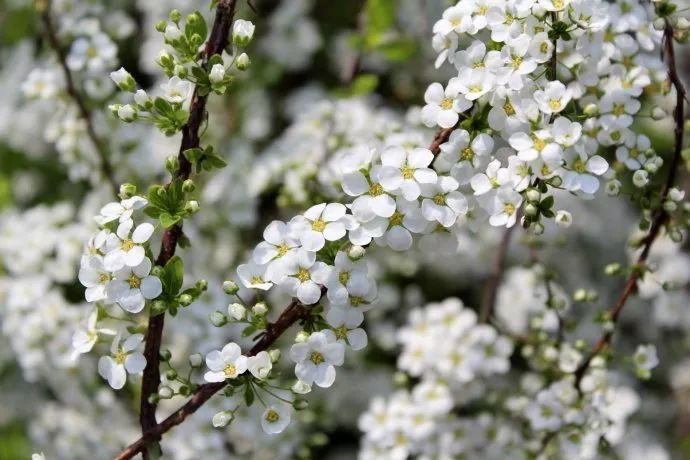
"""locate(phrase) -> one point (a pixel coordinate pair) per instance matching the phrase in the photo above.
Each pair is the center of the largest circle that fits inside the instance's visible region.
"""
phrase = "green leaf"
(193, 155)
(380, 16)
(546, 203)
(249, 330)
(215, 161)
(153, 211)
(162, 106)
(173, 276)
(248, 395)
(167, 220)
(364, 84)
(398, 50)
(195, 24)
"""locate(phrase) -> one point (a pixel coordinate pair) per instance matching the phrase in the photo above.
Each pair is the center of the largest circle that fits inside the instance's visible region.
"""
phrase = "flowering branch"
(661, 216)
(217, 42)
(43, 7)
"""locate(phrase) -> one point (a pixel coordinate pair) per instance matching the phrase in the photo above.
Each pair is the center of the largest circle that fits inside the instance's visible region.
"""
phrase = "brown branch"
(661, 216)
(295, 312)
(216, 43)
(43, 7)
(491, 286)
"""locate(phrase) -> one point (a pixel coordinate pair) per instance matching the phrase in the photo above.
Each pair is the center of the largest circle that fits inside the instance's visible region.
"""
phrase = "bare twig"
(216, 43)
(661, 216)
(43, 7)
(491, 286)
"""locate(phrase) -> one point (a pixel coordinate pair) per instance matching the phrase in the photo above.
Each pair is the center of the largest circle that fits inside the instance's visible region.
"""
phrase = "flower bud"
(165, 392)
(180, 71)
(613, 188)
(172, 164)
(356, 252)
(196, 360)
(185, 300)
(230, 287)
(242, 32)
(237, 311)
(658, 113)
(676, 194)
(218, 319)
(274, 355)
(531, 210)
(202, 284)
(142, 99)
(188, 186)
(640, 178)
(612, 269)
(580, 295)
(302, 336)
(564, 218)
(172, 33)
(161, 25)
(676, 235)
(165, 60)
(591, 110)
(123, 80)
(217, 74)
(126, 113)
(191, 207)
(556, 181)
(243, 62)
(222, 418)
(670, 206)
(659, 24)
(165, 355)
(301, 388)
(259, 309)
(127, 190)
(171, 374)
(533, 194)
(651, 167)
(158, 307)
(538, 228)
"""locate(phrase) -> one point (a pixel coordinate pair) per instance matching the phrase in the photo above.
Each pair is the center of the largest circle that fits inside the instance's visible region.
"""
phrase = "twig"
(491, 286)
(43, 7)
(216, 43)
(661, 216)
(295, 312)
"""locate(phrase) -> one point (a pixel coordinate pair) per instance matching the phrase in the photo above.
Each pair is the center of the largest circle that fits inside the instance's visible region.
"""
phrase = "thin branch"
(661, 216)
(491, 286)
(216, 43)
(294, 313)
(43, 7)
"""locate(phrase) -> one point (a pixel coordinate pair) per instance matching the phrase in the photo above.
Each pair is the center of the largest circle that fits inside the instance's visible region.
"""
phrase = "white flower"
(344, 275)
(172, 33)
(123, 79)
(242, 32)
(645, 357)
(506, 204)
(317, 357)
(40, 84)
(225, 364)
(564, 218)
(222, 418)
(372, 199)
(554, 5)
(304, 277)
(443, 106)
(462, 156)
(582, 172)
(539, 144)
(345, 328)
(474, 83)
(279, 243)
(125, 250)
(121, 211)
(132, 286)
(94, 54)
(260, 365)
(443, 203)
(126, 113)
(252, 276)
(275, 419)
(404, 171)
(361, 296)
(84, 339)
(123, 360)
(176, 90)
(553, 98)
(640, 178)
(321, 223)
(96, 279)
(217, 73)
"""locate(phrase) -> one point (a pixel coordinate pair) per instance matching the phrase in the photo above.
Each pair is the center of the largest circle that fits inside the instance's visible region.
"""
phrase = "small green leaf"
(162, 106)
(248, 395)
(167, 220)
(173, 276)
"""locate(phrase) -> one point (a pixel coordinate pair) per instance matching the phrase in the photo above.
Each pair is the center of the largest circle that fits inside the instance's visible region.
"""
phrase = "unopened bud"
(218, 319)
(230, 287)
(237, 311)
(356, 252)
(196, 360)
(259, 309)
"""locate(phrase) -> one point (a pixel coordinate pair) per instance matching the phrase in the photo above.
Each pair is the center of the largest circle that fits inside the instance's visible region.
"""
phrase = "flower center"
(396, 219)
(508, 108)
(120, 357)
(256, 279)
(127, 245)
(407, 172)
(554, 104)
(134, 281)
(316, 357)
(440, 199)
(475, 89)
(447, 103)
(467, 154)
(356, 301)
(517, 61)
(618, 110)
(303, 275)
(544, 47)
(340, 332)
(103, 278)
(318, 225)
(283, 249)
(509, 18)
(230, 370)
(344, 277)
(91, 52)
(272, 416)
(509, 208)
(579, 166)
(559, 4)
(375, 190)
(539, 144)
